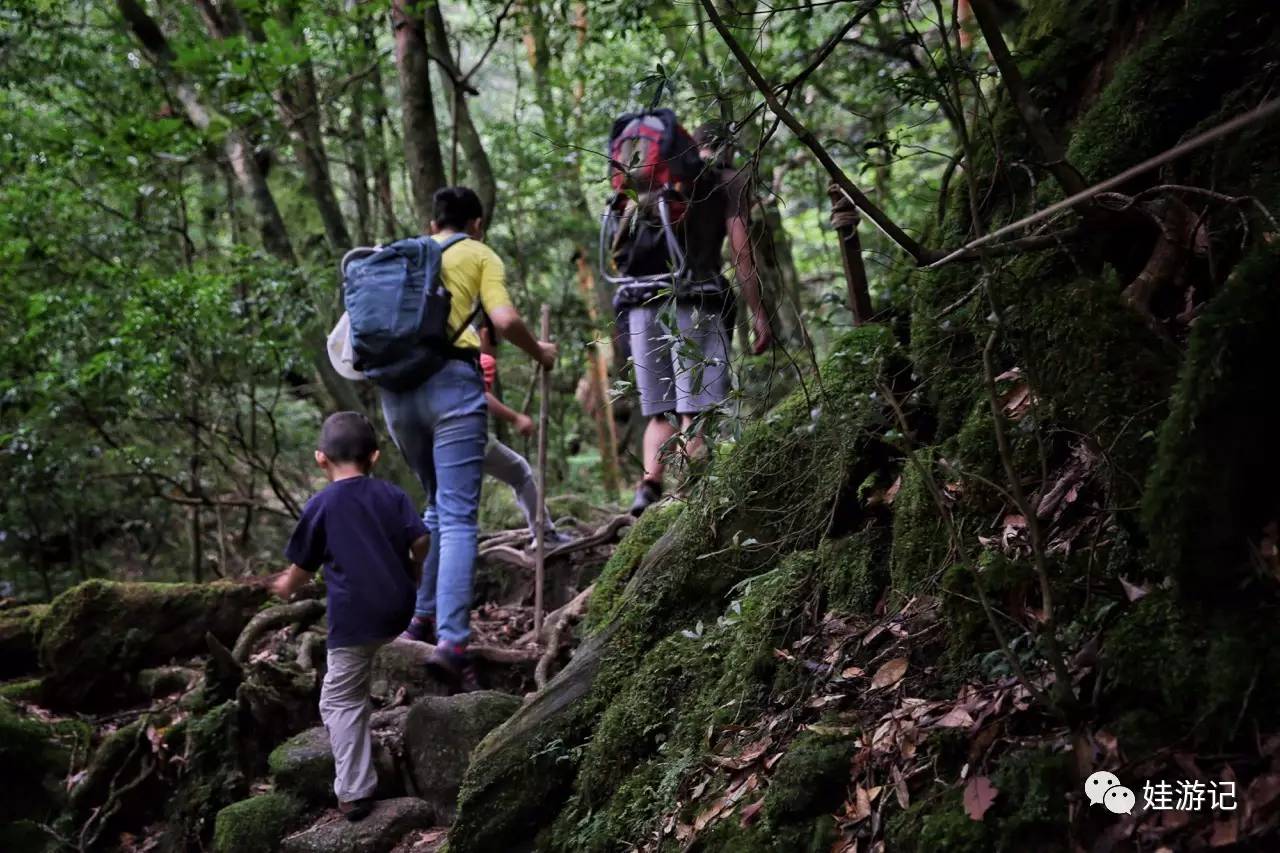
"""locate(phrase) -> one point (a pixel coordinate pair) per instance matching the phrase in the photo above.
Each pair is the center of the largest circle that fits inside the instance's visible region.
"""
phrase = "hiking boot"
(421, 628)
(356, 810)
(647, 492)
(454, 667)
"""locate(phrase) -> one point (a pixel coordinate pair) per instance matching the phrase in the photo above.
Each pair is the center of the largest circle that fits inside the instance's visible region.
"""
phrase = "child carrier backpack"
(399, 311)
(653, 162)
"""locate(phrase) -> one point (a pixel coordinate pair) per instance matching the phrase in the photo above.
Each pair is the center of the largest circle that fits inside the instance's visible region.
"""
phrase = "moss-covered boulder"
(1212, 490)
(97, 635)
(256, 825)
(441, 733)
(380, 832)
(18, 629)
(36, 757)
(303, 765)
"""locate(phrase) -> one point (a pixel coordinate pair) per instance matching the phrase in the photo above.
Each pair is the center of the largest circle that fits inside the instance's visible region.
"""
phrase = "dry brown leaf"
(710, 813)
(1225, 832)
(889, 674)
(1134, 592)
(749, 813)
(892, 491)
(900, 786)
(956, 718)
(979, 794)
(860, 808)
(852, 672)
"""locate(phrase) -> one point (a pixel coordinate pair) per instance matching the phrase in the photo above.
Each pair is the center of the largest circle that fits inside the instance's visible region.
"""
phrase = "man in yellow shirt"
(440, 427)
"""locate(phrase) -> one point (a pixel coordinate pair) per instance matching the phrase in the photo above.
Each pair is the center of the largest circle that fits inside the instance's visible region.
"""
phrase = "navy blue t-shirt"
(360, 530)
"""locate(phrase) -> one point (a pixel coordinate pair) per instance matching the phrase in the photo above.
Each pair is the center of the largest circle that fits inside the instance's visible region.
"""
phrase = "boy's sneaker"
(356, 810)
(421, 628)
(454, 667)
(647, 492)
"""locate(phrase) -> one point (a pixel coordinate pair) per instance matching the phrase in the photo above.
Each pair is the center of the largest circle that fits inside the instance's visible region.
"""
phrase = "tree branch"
(891, 230)
(1051, 149)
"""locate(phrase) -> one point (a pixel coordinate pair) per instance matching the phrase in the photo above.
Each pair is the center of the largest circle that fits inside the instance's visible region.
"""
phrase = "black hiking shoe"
(454, 667)
(356, 810)
(648, 492)
(421, 628)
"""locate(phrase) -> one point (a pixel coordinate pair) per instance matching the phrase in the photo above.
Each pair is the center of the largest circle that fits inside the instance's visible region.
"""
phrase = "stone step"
(381, 832)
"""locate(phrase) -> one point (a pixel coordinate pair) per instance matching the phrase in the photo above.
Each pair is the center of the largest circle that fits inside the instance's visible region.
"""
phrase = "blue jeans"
(440, 427)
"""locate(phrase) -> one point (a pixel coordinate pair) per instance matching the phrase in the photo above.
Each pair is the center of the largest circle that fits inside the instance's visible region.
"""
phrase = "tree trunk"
(479, 171)
(421, 136)
(380, 166)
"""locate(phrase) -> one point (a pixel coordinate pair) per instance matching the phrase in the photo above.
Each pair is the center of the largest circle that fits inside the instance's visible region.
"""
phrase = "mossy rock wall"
(97, 635)
(689, 611)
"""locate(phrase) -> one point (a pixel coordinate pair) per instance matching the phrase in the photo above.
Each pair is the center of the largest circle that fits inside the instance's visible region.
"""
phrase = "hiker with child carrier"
(675, 201)
(407, 328)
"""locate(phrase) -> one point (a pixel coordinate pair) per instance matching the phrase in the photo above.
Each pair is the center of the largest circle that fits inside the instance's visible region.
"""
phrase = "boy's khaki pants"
(345, 710)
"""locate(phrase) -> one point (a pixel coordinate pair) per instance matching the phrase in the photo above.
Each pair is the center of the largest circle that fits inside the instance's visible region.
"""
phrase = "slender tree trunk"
(480, 172)
(421, 135)
(380, 167)
(358, 155)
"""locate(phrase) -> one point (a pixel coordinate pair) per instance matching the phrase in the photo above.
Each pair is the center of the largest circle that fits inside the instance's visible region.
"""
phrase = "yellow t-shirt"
(472, 271)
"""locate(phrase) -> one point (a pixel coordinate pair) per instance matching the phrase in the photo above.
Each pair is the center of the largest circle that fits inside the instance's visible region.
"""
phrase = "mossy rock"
(439, 736)
(37, 759)
(24, 690)
(219, 764)
(1192, 666)
(18, 634)
(810, 779)
(256, 825)
(1213, 486)
(97, 635)
(1030, 811)
(303, 765)
(636, 542)
(380, 832)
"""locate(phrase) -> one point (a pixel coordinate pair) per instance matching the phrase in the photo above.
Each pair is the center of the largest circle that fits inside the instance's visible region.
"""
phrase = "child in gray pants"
(371, 542)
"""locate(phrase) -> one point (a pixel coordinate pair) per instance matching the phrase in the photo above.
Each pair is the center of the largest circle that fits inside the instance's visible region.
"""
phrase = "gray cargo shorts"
(686, 372)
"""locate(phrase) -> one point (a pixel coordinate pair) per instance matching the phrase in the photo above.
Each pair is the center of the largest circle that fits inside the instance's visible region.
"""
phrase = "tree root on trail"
(503, 553)
(559, 620)
(573, 609)
(275, 617)
(492, 654)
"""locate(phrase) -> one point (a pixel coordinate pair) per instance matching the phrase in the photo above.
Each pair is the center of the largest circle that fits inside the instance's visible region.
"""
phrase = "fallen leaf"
(713, 811)
(1133, 592)
(979, 794)
(892, 491)
(749, 813)
(852, 672)
(1225, 832)
(889, 674)
(956, 718)
(900, 786)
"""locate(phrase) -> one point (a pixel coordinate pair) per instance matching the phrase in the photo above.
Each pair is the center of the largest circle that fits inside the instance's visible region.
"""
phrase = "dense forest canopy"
(180, 178)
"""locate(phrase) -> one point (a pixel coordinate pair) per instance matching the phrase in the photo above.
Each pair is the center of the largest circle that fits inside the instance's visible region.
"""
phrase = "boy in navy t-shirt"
(371, 542)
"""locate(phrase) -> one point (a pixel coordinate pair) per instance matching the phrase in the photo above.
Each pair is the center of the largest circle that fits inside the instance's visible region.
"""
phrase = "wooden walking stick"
(544, 415)
(844, 218)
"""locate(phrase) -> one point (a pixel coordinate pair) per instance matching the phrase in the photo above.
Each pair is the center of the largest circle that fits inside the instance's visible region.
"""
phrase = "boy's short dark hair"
(348, 437)
(454, 207)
